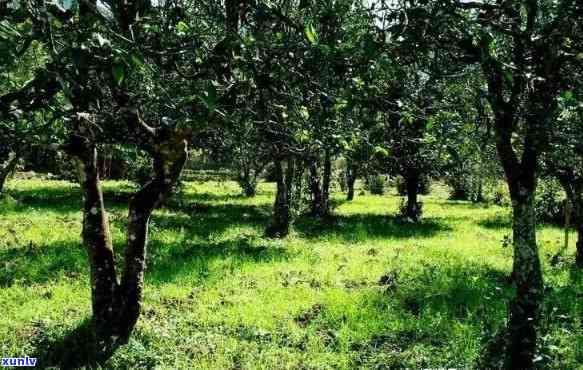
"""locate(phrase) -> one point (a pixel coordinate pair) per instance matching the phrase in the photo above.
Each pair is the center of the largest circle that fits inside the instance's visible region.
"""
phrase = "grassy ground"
(361, 291)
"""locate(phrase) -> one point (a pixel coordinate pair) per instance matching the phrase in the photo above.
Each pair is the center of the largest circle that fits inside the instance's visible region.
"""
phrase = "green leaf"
(509, 76)
(119, 73)
(380, 151)
(311, 34)
(137, 59)
(210, 98)
(182, 28)
(304, 113)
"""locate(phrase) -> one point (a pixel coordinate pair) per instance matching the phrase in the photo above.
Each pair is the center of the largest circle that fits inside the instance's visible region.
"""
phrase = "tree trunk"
(573, 187)
(524, 309)
(169, 159)
(579, 252)
(247, 180)
(7, 169)
(317, 204)
(97, 241)
(280, 223)
(116, 307)
(326, 182)
(350, 180)
(244, 180)
(412, 208)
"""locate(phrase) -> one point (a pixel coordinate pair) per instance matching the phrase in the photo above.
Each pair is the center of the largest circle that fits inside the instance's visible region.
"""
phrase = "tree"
(92, 74)
(565, 160)
(522, 47)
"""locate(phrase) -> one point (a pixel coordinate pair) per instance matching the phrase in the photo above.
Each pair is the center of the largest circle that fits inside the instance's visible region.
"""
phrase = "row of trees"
(390, 86)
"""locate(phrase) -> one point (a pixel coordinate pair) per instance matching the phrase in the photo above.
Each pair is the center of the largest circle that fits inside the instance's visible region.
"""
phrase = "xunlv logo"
(19, 361)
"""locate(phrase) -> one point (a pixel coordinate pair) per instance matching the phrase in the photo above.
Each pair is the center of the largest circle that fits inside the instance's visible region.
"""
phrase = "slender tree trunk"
(326, 182)
(579, 245)
(577, 202)
(350, 180)
(7, 169)
(479, 192)
(280, 223)
(248, 180)
(412, 208)
(97, 241)
(317, 204)
(169, 159)
(573, 187)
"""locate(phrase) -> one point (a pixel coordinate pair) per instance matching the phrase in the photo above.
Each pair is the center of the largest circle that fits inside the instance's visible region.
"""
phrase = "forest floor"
(357, 291)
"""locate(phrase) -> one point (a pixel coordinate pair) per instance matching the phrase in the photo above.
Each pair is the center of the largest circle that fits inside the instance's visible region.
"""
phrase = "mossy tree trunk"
(116, 304)
(524, 309)
(97, 240)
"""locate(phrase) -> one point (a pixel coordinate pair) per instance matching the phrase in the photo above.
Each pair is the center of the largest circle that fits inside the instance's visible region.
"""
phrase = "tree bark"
(248, 178)
(169, 160)
(116, 306)
(7, 169)
(350, 181)
(317, 203)
(280, 223)
(412, 208)
(326, 182)
(573, 187)
(579, 245)
(96, 239)
(320, 206)
(245, 181)
(525, 307)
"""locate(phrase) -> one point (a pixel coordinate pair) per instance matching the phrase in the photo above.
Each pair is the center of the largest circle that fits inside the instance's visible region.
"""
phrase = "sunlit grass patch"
(360, 290)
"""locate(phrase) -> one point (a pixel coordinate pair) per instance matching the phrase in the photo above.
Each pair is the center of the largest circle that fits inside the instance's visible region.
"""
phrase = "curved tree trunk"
(116, 306)
(169, 160)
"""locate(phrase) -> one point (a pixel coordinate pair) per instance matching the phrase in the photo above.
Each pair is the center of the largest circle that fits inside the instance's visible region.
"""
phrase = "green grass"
(358, 291)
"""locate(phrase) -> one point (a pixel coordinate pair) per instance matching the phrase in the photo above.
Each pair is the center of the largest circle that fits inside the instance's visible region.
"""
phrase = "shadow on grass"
(209, 261)
(41, 263)
(496, 222)
(198, 241)
(195, 250)
(431, 303)
(64, 200)
(369, 226)
(77, 349)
